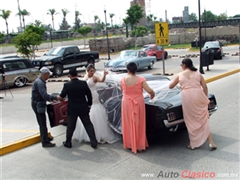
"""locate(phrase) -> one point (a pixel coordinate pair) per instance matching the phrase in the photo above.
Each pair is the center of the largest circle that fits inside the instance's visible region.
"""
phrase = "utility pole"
(200, 38)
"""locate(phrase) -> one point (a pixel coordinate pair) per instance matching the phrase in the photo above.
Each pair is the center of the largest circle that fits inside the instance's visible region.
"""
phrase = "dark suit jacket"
(77, 91)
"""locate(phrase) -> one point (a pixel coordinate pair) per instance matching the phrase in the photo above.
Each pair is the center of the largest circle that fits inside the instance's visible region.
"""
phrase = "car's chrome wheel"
(58, 70)
(20, 82)
(150, 65)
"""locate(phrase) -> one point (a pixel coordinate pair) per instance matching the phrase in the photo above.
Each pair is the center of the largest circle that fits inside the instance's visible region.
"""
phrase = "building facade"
(185, 14)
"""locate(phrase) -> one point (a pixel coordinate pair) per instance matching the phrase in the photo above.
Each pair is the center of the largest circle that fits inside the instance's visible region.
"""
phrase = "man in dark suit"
(78, 106)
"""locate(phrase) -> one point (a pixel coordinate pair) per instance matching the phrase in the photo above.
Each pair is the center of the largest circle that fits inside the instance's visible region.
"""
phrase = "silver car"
(140, 58)
(18, 71)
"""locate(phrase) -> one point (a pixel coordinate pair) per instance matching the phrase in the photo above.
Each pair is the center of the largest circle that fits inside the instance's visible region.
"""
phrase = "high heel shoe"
(190, 147)
(212, 146)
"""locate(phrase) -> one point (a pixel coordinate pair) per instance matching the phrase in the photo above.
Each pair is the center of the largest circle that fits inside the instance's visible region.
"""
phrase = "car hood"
(118, 61)
(46, 58)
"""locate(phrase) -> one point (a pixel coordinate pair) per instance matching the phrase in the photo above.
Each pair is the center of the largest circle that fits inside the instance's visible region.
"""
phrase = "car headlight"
(47, 62)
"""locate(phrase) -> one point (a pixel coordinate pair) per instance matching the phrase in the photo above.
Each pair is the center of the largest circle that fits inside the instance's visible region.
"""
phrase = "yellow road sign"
(161, 31)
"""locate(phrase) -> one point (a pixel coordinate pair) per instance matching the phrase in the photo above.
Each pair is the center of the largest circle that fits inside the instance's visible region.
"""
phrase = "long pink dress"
(195, 109)
(134, 116)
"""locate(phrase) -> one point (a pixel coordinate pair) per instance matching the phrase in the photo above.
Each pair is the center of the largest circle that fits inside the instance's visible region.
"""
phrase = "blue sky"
(89, 8)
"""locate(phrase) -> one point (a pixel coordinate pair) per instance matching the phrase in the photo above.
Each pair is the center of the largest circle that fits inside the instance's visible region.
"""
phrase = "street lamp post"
(200, 38)
(107, 34)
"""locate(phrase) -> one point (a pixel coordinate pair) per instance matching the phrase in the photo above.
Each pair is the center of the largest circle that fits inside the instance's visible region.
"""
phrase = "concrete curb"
(8, 148)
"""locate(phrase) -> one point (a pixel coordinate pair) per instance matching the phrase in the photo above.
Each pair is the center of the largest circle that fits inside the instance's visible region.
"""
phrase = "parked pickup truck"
(65, 57)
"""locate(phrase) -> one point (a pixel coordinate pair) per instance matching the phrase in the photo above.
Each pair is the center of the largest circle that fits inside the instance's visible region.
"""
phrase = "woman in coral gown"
(194, 104)
(133, 110)
(98, 115)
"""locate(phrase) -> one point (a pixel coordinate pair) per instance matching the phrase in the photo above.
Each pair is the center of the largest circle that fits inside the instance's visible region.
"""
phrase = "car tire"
(58, 70)
(150, 65)
(220, 57)
(20, 82)
(166, 55)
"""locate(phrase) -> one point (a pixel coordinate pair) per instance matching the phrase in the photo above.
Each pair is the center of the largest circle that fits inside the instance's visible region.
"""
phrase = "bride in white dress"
(98, 115)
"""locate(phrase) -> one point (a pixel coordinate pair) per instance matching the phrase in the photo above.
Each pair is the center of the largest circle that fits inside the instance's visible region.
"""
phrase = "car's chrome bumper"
(49, 67)
(174, 123)
(211, 111)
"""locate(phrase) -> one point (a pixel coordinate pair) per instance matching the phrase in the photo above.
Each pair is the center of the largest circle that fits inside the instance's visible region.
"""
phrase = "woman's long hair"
(189, 64)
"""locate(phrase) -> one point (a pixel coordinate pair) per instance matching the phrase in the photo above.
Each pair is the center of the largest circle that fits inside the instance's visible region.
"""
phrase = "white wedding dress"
(98, 117)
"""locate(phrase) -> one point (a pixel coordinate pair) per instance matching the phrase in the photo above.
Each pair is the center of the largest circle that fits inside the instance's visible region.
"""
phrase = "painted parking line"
(214, 78)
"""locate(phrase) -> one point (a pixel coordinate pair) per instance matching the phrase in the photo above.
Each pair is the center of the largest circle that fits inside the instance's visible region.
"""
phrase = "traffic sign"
(162, 35)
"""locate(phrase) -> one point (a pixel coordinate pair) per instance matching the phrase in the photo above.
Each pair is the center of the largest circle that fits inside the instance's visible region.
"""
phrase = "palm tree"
(19, 15)
(52, 12)
(38, 23)
(77, 20)
(23, 13)
(65, 12)
(111, 16)
(95, 19)
(5, 15)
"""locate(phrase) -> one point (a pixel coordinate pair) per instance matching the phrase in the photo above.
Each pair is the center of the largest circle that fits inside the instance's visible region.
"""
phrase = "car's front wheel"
(20, 82)
(58, 70)
(150, 65)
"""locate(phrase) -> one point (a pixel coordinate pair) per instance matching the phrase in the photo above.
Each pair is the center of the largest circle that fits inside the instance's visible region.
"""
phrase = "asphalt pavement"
(19, 135)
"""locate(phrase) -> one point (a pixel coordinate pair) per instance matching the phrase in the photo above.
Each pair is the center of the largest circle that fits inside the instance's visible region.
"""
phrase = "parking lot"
(166, 157)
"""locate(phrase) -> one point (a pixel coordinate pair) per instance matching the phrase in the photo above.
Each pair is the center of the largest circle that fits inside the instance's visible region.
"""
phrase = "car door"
(78, 59)
(142, 61)
(69, 58)
(159, 52)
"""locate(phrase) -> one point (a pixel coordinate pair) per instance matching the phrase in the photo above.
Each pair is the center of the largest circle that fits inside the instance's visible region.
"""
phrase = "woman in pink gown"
(194, 104)
(133, 110)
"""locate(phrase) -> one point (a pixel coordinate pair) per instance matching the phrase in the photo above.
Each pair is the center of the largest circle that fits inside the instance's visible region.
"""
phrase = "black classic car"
(162, 112)
(61, 58)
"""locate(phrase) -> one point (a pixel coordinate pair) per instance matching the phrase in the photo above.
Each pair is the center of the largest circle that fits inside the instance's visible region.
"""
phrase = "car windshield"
(128, 54)
(211, 44)
(146, 48)
(55, 52)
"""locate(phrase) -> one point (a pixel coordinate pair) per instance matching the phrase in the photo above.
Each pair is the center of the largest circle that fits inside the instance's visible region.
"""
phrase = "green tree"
(236, 16)
(52, 13)
(5, 15)
(23, 13)
(208, 16)
(38, 23)
(95, 20)
(141, 31)
(222, 16)
(135, 14)
(126, 22)
(77, 23)
(27, 42)
(193, 17)
(64, 25)
(84, 31)
(111, 16)
(1, 36)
